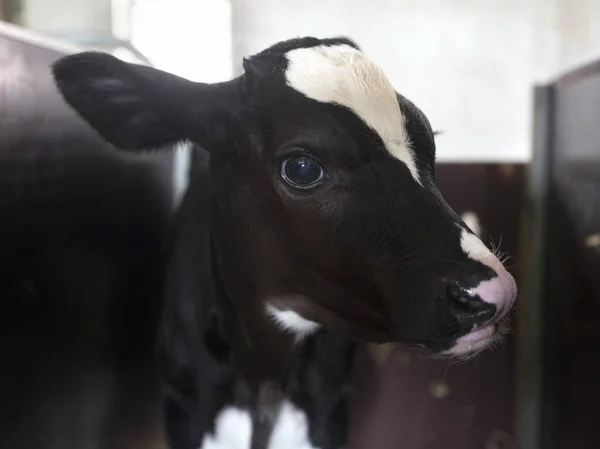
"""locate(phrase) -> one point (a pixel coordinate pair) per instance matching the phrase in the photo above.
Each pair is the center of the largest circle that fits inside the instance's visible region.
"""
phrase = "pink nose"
(500, 291)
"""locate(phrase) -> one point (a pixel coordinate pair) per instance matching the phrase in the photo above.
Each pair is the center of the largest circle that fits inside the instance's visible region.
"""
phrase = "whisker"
(446, 371)
(495, 248)
(492, 244)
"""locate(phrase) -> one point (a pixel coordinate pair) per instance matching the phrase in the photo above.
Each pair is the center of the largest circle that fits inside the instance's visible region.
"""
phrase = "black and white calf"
(315, 224)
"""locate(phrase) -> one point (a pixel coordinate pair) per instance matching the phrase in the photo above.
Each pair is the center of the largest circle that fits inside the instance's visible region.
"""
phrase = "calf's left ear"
(136, 107)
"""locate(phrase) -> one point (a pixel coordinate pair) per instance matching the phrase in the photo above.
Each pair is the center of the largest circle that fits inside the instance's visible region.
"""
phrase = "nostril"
(461, 296)
(456, 293)
(468, 301)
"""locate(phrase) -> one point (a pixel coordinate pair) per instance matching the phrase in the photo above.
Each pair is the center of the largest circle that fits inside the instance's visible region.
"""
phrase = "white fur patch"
(291, 321)
(233, 430)
(291, 429)
(500, 290)
(472, 221)
(476, 250)
(343, 75)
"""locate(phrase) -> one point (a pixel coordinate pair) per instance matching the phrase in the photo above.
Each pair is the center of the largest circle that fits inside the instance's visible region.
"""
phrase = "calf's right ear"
(135, 107)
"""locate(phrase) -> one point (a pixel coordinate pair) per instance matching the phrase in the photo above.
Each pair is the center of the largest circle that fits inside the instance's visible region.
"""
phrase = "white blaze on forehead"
(343, 75)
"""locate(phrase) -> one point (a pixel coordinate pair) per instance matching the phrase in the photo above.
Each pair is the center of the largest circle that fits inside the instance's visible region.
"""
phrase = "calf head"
(324, 205)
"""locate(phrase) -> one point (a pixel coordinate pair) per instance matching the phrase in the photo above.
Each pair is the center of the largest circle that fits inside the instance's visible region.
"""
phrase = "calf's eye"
(302, 172)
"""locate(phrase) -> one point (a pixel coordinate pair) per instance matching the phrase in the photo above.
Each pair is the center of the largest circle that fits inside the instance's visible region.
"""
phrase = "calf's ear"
(135, 107)
(347, 41)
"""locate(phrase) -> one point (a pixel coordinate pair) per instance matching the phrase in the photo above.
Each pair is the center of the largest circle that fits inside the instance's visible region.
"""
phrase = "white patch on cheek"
(343, 75)
(290, 321)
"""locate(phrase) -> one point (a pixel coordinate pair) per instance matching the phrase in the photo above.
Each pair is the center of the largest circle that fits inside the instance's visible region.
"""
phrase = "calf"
(315, 224)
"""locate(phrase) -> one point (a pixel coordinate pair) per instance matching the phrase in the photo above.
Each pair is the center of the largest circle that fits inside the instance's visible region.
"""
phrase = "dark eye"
(301, 172)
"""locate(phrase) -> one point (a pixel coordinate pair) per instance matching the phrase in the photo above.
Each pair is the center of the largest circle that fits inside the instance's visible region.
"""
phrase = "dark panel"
(80, 230)
(414, 401)
(573, 264)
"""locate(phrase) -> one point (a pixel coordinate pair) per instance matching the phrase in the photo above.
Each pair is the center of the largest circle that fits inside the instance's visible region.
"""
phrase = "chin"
(470, 345)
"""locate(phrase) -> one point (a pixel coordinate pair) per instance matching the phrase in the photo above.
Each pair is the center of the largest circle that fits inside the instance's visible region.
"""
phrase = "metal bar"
(530, 348)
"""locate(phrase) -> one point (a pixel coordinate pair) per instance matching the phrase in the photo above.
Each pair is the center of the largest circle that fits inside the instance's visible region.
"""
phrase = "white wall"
(190, 38)
(50, 16)
(469, 64)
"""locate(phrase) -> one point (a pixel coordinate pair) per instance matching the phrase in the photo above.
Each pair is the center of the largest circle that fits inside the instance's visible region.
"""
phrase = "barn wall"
(468, 64)
(76, 16)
